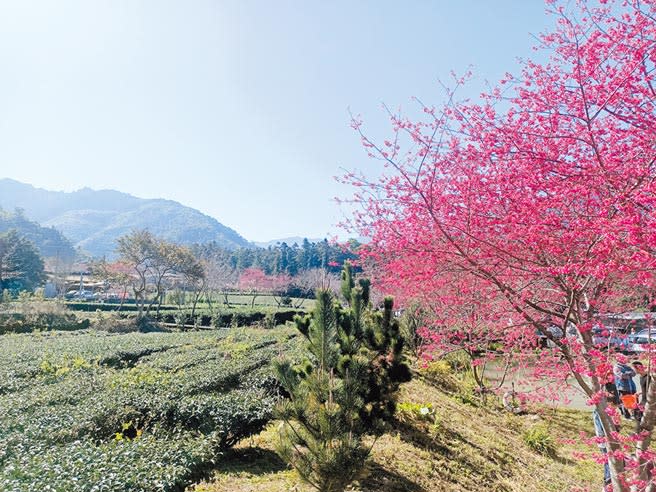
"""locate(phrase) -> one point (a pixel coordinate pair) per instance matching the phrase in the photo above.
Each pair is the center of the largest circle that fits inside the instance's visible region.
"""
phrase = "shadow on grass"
(484, 465)
(422, 439)
(570, 421)
(253, 460)
(383, 479)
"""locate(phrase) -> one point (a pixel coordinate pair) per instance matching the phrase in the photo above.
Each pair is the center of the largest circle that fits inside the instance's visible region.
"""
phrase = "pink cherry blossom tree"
(538, 201)
(255, 282)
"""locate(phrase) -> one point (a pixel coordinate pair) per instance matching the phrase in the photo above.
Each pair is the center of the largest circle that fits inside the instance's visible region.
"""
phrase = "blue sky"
(238, 108)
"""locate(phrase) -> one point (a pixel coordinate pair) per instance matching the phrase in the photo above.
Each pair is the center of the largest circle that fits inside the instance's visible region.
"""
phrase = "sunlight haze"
(237, 108)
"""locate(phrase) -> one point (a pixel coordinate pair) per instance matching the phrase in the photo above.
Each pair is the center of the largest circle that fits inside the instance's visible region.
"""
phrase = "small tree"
(344, 389)
(308, 282)
(280, 286)
(152, 261)
(254, 282)
(221, 277)
(386, 369)
(321, 436)
(195, 280)
(138, 250)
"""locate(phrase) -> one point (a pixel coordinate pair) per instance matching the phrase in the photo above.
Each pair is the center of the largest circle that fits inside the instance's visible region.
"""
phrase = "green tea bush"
(175, 399)
(114, 322)
(269, 321)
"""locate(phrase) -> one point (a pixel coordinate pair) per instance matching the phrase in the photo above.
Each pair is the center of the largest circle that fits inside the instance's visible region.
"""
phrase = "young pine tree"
(321, 434)
(344, 390)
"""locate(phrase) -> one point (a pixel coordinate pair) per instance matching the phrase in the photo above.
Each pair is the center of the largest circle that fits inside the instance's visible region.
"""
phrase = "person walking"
(624, 374)
(645, 379)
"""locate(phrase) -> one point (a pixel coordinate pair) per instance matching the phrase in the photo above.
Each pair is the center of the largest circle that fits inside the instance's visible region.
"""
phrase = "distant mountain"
(49, 241)
(289, 240)
(93, 220)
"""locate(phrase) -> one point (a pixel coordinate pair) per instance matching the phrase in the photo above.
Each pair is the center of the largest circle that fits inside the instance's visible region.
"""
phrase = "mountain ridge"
(94, 219)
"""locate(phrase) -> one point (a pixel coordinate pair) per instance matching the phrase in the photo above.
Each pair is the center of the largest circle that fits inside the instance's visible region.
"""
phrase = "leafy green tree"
(21, 266)
(171, 260)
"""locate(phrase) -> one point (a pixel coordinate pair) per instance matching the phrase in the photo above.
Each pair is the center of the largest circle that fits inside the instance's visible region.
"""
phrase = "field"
(458, 446)
(92, 411)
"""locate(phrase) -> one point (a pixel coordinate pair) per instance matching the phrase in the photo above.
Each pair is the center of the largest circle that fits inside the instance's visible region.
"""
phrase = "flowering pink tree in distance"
(539, 199)
(255, 282)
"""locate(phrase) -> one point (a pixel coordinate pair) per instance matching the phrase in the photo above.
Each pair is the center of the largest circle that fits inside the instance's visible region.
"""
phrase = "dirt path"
(572, 397)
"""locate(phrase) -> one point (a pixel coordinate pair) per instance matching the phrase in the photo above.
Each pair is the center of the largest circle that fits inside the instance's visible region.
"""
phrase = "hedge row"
(102, 306)
(230, 319)
(17, 323)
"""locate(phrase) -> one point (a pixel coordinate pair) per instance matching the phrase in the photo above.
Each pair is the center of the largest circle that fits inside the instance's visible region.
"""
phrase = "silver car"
(610, 337)
(642, 341)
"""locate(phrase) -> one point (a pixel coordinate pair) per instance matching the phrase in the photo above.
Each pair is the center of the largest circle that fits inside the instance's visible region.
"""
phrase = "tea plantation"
(92, 411)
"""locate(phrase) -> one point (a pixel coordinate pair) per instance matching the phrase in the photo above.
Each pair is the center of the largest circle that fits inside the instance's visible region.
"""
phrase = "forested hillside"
(49, 241)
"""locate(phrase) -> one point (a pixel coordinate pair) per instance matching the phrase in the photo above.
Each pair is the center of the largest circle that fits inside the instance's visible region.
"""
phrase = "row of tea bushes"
(91, 411)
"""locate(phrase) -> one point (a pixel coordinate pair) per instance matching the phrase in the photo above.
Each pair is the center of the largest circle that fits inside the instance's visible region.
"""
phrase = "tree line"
(21, 265)
(283, 258)
(149, 267)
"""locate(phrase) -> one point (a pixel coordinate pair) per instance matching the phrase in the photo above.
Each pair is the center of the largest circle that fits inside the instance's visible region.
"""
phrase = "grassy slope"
(463, 448)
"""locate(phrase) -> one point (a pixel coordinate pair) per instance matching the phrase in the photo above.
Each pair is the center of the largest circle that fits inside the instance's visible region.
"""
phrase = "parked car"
(641, 341)
(556, 333)
(603, 336)
(633, 321)
(610, 337)
(80, 295)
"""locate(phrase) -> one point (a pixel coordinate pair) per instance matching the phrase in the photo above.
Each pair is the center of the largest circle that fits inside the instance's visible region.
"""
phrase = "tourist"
(612, 398)
(625, 386)
(641, 370)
